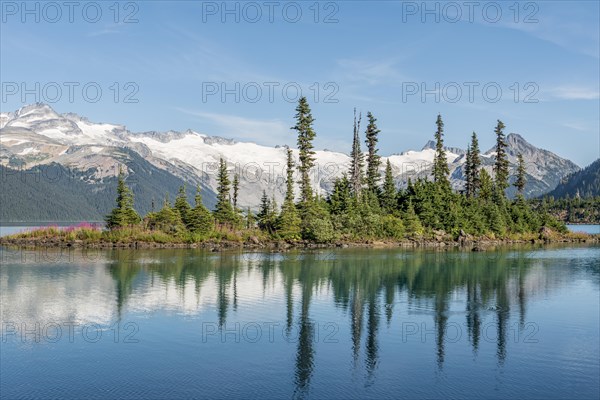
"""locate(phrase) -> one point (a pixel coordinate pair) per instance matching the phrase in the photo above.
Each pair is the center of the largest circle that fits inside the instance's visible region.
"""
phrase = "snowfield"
(74, 141)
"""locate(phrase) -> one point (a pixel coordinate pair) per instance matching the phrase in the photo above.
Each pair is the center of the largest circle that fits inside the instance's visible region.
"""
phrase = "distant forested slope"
(56, 193)
(584, 183)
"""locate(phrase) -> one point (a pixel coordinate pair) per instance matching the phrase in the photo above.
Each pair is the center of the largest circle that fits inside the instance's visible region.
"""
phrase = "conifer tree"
(168, 218)
(521, 179)
(475, 165)
(339, 199)
(182, 205)
(388, 195)
(373, 159)
(289, 179)
(306, 135)
(236, 187)
(263, 212)
(267, 215)
(468, 173)
(440, 162)
(288, 222)
(486, 185)
(501, 164)
(412, 224)
(199, 218)
(356, 160)
(223, 210)
(124, 214)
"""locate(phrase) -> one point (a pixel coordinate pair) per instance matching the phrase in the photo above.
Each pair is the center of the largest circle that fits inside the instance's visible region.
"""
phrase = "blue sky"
(175, 58)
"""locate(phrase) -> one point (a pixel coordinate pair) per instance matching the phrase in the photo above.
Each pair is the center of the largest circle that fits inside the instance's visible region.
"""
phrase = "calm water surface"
(330, 324)
(585, 228)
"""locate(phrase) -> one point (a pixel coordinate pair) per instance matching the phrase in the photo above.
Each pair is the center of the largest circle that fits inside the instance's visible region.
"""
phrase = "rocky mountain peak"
(36, 111)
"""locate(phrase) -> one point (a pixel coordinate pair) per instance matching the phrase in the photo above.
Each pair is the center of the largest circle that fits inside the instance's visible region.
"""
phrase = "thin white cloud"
(370, 72)
(103, 32)
(573, 92)
(563, 24)
(576, 126)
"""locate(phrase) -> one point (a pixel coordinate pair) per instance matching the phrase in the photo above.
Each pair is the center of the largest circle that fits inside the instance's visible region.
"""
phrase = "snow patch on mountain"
(36, 134)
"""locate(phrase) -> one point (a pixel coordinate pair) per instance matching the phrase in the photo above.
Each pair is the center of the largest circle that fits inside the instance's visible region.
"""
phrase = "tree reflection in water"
(366, 285)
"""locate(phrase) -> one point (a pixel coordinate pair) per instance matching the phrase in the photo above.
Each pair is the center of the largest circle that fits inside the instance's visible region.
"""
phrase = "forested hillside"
(56, 193)
(584, 183)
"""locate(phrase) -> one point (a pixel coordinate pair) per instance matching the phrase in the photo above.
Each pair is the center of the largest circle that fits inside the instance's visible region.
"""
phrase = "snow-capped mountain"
(36, 135)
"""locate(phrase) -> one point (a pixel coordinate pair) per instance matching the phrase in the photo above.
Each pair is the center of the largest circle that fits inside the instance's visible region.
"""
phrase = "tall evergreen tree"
(236, 188)
(263, 211)
(521, 179)
(124, 214)
(468, 173)
(388, 195)
(267, 215)
(373, 159)
(289, 181)
(440, 162)
(501, 164)
(199, 218)
(486, 185)
(288, 222)
(182, 205)
(223, 210)
(475, 165)
(306, 135)
(356, 159)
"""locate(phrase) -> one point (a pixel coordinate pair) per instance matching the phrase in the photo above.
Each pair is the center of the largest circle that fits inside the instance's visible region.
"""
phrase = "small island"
(363, 209)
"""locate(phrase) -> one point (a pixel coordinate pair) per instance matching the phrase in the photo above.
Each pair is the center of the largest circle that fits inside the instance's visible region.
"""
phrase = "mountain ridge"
(37, 135)
(583, 183)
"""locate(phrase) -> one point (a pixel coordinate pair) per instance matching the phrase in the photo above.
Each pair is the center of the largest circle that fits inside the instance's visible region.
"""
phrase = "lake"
(347, 323)
(585, 228)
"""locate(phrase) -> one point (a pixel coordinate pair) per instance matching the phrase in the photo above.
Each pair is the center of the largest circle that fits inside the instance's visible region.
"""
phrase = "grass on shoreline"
(89, 234)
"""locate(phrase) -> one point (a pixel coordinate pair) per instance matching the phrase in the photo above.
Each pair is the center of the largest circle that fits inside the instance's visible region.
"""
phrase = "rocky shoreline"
(463, 242)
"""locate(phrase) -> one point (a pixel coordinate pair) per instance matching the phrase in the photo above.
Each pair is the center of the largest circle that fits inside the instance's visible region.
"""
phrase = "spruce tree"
(289, 181)
(468, 173)
(200, 220)
(288, 222)
(440, 162)
(501, 164)
(124, 214)
(182, 205)
(412, 224)
(267, 215)
(223, 210)
(373, 159)
(388, 195)
(521, 179)
(475, 165)
(306, 135)
(486, 185)
(356, 160)
(263, 212)
(339, 199)
(236, 188)
(168, 219)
